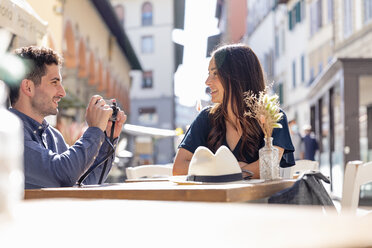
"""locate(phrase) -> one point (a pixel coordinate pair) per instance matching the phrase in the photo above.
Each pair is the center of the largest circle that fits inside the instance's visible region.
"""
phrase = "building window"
(146, 14)
(279, 42)
(278, 88)
(315, 17)
(312, 75)
(294, 74)
(269, 64)
(257, 11)
(148, 116)
(367, 10)
(147, 44)
(283, 40)
(119, 9)
(280, 93)
(319, 14)
(329, 61)
(297, 10)
(302, 68)
(348, 20)
(147, 81)
(312, 18)
(277, 52)
(320, 68)
(303, 10)
(296, 14)
(330, 11)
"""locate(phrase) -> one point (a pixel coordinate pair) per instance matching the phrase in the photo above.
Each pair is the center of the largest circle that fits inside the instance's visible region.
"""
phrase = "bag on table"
(308, 190)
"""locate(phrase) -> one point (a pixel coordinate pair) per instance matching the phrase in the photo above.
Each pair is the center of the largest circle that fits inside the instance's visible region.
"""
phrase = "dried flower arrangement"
(265, 109)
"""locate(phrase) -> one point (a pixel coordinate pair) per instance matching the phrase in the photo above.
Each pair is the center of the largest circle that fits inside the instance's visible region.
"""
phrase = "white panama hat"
(206, 167)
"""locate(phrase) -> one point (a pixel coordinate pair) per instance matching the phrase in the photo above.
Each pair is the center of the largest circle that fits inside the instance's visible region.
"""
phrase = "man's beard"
(40, 107)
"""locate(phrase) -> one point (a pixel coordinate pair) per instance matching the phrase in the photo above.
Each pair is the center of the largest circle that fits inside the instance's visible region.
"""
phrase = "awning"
(18, 17)
(148, 131)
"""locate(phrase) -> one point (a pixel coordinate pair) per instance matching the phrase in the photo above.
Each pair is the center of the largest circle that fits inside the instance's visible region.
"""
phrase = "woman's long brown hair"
(239, 70)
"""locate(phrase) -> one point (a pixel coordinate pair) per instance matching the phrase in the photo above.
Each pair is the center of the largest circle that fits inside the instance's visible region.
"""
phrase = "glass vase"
(269, 160)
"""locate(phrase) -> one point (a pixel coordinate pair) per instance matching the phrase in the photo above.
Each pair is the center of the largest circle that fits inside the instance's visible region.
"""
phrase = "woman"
(233, 70)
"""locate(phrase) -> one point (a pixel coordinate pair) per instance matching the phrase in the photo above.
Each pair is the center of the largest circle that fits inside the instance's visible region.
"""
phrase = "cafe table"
(127, 223)
(168, 191)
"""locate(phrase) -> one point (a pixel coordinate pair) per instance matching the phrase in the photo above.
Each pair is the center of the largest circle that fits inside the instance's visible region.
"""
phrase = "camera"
(115, 110)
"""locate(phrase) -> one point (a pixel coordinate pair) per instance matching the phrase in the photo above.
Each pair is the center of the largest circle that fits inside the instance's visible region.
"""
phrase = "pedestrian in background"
(296, 139)
(309, 143)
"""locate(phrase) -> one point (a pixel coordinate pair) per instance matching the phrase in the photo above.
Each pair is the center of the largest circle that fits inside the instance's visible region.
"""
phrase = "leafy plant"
(70, 101)
(265, 109)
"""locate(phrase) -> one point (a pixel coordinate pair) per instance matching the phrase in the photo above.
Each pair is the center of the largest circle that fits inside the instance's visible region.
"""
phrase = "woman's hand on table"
(248, 169)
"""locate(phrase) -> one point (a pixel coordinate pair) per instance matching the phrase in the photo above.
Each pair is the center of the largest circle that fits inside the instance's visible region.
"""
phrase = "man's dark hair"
(35, 60)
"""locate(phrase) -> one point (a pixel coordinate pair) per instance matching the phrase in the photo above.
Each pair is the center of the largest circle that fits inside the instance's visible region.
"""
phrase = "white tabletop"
(128, 223)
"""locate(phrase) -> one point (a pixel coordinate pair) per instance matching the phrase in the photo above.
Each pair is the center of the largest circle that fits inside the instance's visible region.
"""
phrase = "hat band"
(216, 179)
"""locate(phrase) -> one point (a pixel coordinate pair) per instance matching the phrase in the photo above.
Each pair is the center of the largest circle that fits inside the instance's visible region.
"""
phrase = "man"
(310, 144)
(48, 160)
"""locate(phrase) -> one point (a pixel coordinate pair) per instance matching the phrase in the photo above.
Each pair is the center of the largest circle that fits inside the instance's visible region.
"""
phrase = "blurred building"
(340, 96)
(98, 56)
(296, 30)
(149, 25)
(278, 32)
(322, 65)
(187, 113)
(231, 17)
(320, 54)
(265, 35)
(317, 53)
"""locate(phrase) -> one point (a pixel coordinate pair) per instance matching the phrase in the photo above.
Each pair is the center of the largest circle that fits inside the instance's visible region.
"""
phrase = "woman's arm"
(181, 162)
(254, 167)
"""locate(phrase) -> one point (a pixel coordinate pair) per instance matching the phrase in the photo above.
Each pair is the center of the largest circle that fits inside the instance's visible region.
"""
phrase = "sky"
(200, 23)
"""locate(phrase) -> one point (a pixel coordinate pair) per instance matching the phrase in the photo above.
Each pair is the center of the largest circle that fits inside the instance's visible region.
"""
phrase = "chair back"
(356, 174)
(302, 166)
(149, 171)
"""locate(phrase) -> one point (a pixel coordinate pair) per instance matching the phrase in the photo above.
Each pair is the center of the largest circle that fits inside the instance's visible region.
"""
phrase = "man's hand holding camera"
(98, 114)
(119, 118)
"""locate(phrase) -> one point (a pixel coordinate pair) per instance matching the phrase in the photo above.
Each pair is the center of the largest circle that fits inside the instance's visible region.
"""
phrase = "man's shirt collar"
(31, 123)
